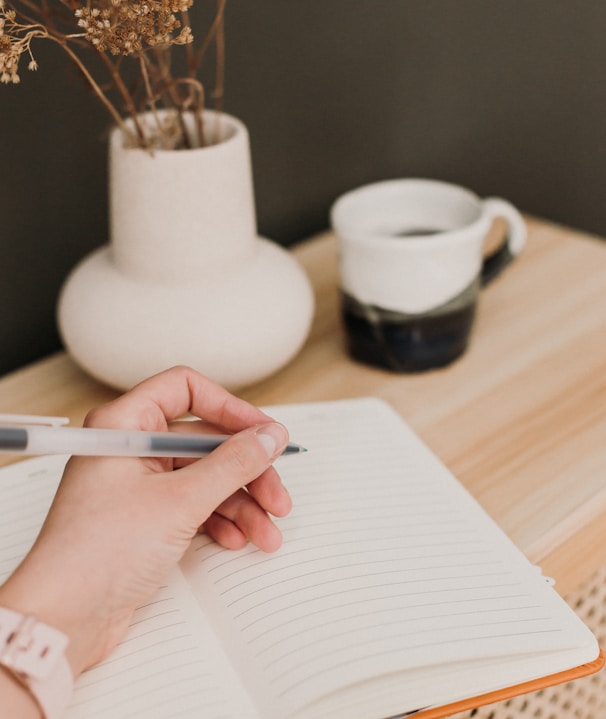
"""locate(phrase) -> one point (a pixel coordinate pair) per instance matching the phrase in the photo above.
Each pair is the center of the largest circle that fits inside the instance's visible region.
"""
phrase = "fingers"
(269, 493)
(216, 481)
(225, 532)
(241, 519)
(245, 515)
(239, 461)
(172, 394)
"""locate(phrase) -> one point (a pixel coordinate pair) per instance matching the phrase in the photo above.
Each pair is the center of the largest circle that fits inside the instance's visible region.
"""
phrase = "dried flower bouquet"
(144, 89)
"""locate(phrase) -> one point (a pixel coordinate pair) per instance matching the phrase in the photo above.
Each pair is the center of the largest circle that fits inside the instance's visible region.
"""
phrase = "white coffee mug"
(411, 262)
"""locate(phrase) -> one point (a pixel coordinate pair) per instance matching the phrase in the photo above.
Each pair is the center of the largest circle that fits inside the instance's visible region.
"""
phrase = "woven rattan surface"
(581, 699)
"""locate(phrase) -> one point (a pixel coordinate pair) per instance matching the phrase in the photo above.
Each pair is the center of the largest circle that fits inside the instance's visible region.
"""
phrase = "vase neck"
(177, 213)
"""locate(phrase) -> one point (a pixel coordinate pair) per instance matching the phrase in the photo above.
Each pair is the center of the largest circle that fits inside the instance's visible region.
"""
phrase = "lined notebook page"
(26, 492)
(167, 667)
(387, 564)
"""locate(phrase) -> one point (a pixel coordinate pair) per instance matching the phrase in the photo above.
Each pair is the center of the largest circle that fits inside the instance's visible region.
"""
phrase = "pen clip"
(33, 419)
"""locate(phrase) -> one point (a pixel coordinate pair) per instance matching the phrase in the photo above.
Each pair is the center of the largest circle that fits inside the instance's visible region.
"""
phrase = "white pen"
(39, 439)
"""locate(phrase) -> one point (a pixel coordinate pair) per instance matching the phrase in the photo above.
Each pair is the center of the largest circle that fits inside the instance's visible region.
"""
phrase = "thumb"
(234, 464)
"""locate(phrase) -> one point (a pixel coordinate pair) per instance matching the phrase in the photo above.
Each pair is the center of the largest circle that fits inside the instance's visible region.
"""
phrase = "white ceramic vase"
(185, 278)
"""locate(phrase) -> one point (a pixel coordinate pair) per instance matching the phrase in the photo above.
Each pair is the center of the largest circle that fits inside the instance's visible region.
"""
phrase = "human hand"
(118, 525)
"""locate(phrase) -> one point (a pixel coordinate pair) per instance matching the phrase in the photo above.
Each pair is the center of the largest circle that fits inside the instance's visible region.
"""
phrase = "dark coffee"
(408, 343)
(416, 232)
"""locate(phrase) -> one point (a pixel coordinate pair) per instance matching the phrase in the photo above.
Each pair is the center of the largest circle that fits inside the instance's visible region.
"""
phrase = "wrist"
(57, 601)
(33, 654)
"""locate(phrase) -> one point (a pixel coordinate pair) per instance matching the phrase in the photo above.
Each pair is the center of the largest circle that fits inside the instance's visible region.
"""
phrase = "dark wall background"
(505, 96)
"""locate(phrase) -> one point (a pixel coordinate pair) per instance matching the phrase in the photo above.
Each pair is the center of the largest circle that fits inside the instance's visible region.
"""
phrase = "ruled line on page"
(161, 669)
(385, 558)
(158, 664)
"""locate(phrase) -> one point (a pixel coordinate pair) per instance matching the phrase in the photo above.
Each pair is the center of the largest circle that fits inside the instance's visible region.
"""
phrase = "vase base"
(237, 326)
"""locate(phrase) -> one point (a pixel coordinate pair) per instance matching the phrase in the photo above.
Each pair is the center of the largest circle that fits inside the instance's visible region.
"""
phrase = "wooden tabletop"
(520, 419)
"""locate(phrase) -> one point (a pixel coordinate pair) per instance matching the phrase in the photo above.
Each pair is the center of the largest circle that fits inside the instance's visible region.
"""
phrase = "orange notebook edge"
(508, 692)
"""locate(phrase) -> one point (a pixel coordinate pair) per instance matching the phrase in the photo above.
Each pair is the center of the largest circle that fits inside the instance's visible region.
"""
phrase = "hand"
(118, 525)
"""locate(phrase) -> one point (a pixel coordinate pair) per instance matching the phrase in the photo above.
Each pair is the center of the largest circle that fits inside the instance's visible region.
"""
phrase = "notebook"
(394, 593)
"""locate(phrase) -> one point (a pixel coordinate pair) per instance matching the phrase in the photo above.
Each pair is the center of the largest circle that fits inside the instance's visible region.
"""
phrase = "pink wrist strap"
(34, 654)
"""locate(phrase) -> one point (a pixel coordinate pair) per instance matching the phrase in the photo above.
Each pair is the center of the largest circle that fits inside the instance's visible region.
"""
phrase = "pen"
(33, 439)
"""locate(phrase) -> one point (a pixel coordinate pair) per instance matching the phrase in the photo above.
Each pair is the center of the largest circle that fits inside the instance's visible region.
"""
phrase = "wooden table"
(520, 419)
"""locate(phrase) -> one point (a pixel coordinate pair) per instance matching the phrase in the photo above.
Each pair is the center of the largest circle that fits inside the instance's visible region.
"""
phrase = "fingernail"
(273, 437)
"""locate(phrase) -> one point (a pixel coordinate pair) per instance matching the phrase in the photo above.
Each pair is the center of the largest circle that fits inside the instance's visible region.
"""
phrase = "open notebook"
(393, 592)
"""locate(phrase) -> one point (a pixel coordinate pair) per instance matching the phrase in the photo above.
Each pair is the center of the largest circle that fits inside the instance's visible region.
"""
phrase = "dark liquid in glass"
(405, 343)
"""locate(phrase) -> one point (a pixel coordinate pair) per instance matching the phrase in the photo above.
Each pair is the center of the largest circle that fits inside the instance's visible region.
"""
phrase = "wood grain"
(520, 419)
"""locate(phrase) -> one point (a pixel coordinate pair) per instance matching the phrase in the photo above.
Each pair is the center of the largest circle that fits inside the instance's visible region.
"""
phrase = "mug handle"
(515, 240)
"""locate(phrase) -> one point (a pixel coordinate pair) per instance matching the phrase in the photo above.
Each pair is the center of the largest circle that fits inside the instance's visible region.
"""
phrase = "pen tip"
(294, 449)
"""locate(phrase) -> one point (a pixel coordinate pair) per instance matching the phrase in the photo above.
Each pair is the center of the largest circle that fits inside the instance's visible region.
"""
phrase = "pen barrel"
(80, 441)
(112, 442)
(118, 443)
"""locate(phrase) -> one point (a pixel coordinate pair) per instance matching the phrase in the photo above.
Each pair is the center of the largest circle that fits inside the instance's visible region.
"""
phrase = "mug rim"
(354, 235)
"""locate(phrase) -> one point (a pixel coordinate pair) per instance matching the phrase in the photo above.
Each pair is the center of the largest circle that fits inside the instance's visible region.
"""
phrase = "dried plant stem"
(126, 97)
(113, 30)
(219, 88)
(196, 110)
(211, 33)
(151, 96)
(216, 33)
(93, 84)
(218, 92)
(198, 118)
(158, 76)
(196, 107)
(189, 51)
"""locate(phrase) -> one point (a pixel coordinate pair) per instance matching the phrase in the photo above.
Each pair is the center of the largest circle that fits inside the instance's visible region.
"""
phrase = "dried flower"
(15, 40)
(124, 27)
(146, 31)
